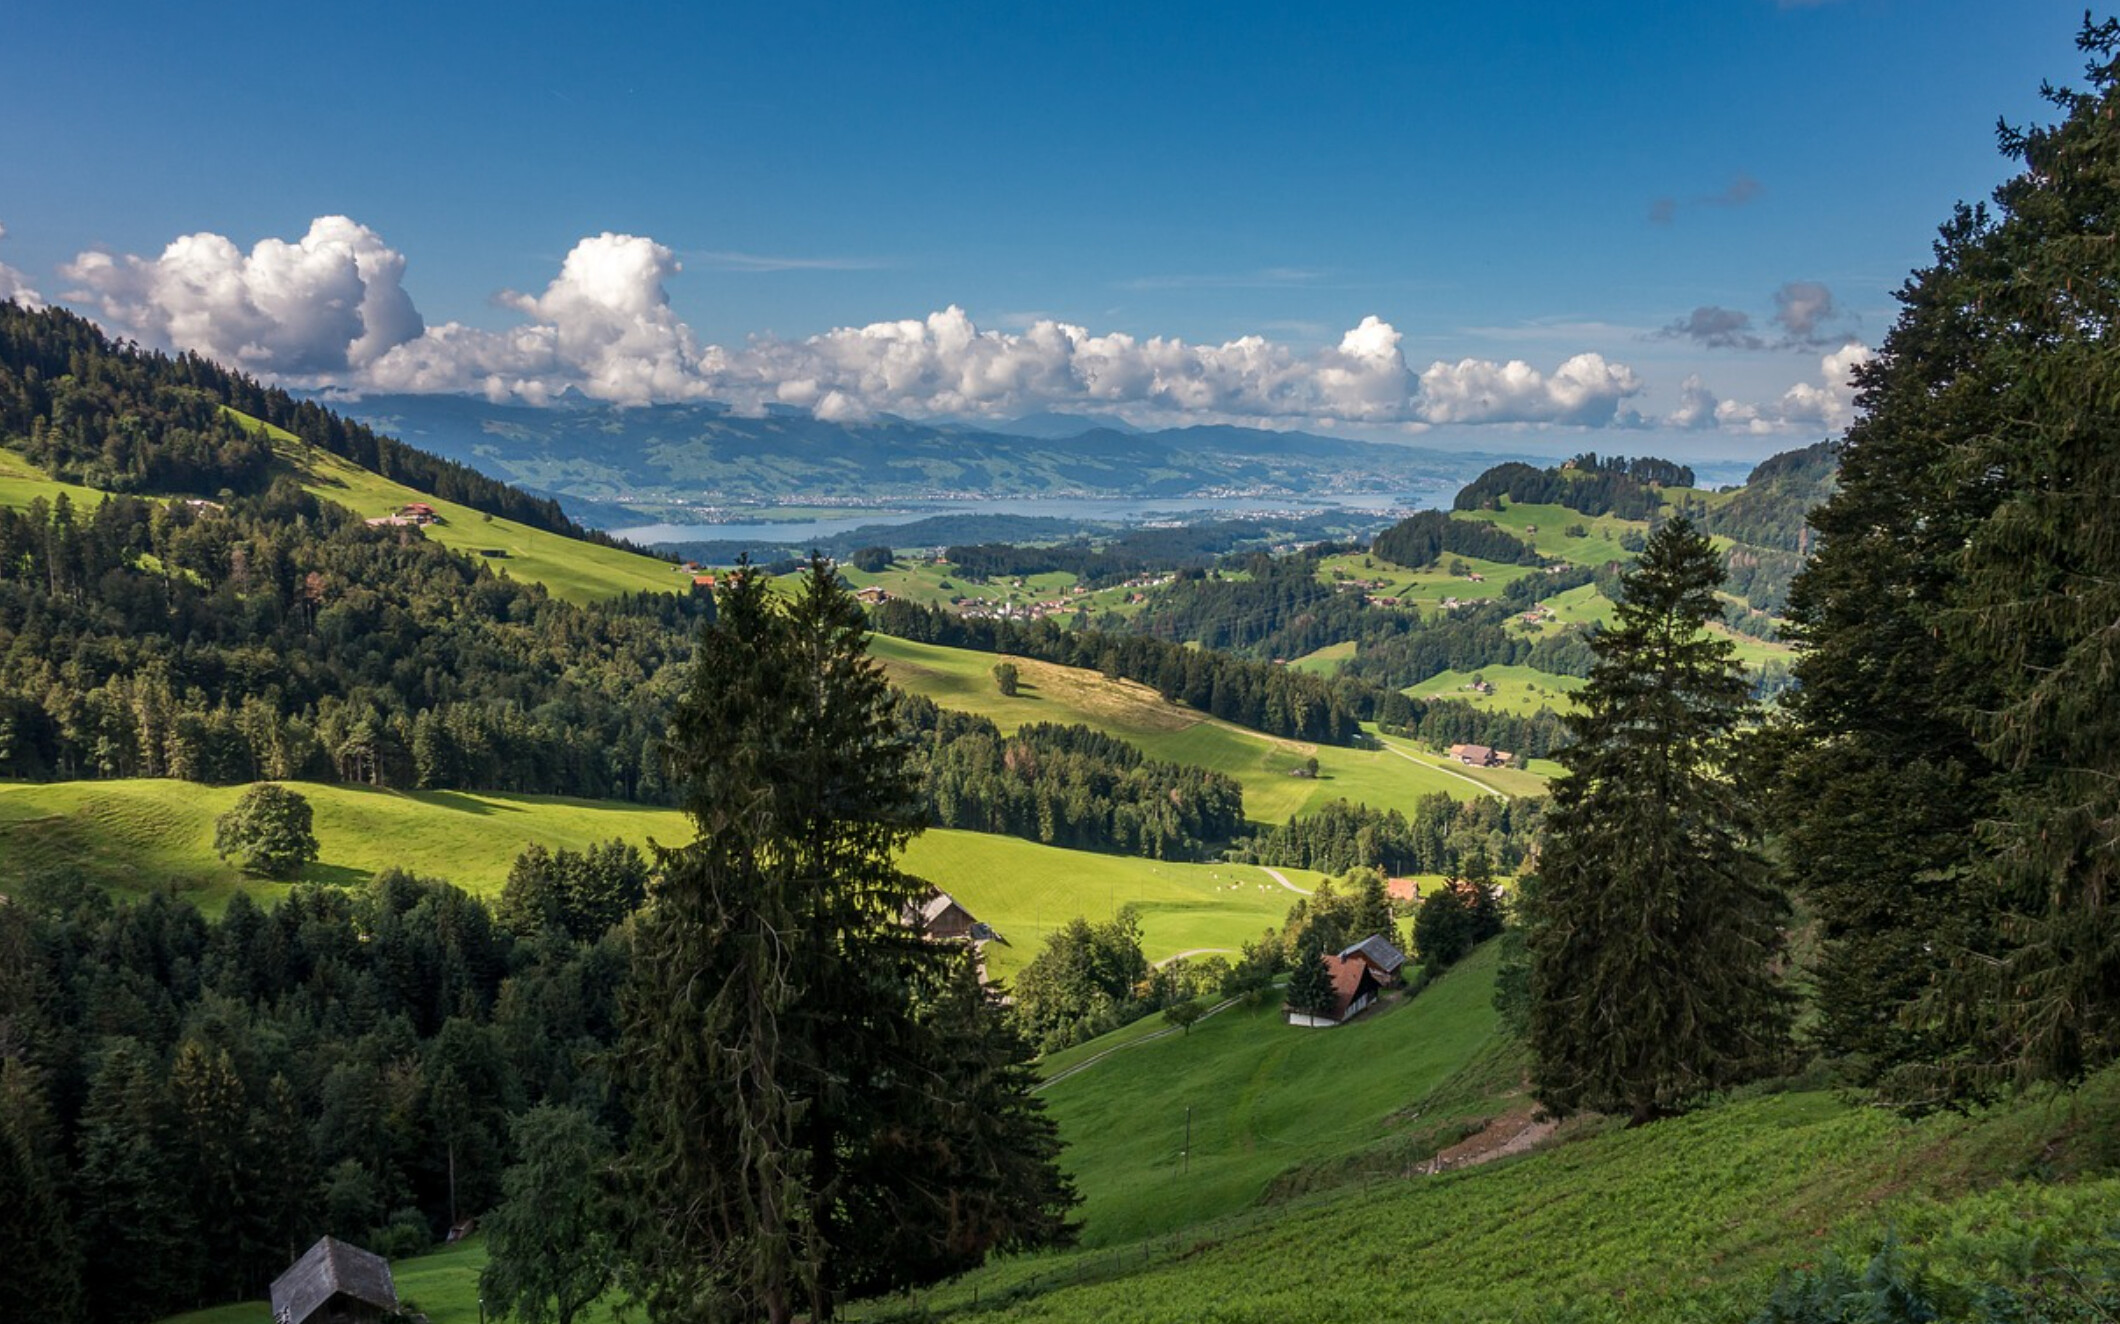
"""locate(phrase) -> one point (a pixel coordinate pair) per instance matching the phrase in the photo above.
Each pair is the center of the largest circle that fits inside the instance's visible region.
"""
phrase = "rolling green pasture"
(1265, 1097)
(568, 568)
(963, 679)
(22, 482)
(1517, 689)
(130, 836)
(1428, 586)
(1600, 546)
(1325, 661)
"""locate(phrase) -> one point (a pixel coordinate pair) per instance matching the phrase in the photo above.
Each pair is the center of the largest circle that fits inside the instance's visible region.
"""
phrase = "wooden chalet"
(334, 1283)
(1354, 987)
(1480, 756)
(1378, 952)
(941, 918)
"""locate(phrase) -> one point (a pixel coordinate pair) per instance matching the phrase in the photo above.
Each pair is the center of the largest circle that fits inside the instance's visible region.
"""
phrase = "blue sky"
(1550, 210)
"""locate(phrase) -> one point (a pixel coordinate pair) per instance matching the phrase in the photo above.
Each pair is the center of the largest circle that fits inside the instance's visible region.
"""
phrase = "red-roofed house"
(1354, 987)
(1403, 889)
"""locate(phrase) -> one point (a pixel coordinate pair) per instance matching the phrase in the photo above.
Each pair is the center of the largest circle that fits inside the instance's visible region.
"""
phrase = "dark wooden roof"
(328, 1269)
(1379, 952)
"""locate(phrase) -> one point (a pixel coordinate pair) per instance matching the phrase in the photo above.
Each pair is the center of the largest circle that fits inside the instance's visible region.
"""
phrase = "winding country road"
(1282, 879)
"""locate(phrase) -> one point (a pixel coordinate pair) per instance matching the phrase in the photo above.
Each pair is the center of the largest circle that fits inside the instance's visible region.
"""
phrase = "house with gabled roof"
(1383, 958)
(335, 1283)
(1354, 987)
(941, 917)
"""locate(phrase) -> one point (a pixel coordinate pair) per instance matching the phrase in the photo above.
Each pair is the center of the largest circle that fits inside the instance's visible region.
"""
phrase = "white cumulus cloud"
(1585, 390)
(1828, 403)
(331, 308)
(329, 303)
(14, 285)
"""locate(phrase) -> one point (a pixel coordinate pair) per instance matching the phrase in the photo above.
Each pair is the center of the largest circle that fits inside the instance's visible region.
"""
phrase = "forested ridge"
(276, 636)
(121, 419)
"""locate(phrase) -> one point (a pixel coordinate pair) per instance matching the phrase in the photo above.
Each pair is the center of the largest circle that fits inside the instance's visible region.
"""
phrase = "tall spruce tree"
(1653, 929)
(1954, 807)
(773, 1030)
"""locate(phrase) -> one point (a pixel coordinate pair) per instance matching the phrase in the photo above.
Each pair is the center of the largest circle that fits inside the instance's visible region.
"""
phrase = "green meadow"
(1265, 765)
(1545, 527)
(568, 568)
(22, 482)
(1517, 689)
(1265, 1098)
(131, 836)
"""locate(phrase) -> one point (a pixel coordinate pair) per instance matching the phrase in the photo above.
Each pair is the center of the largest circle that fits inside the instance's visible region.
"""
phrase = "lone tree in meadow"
(269, 833)
(1006, 677)
(1652, 933)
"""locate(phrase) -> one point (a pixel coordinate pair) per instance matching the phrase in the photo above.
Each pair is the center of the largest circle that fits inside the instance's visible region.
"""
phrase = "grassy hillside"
(1266, 1097)
(963, 679)
(569, 568)
(129, 835)
(1517, 689)
(22, 482)
(1689, 1219)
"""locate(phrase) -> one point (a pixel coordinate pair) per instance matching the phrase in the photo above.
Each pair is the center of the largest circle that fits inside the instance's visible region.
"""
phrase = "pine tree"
(772, 1026)
(37, 1240)
(1310, 989)
(1954, 799)
(1655, 925)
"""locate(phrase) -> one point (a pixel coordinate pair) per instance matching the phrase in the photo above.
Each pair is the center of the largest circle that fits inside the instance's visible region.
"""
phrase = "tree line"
(1275, 700)
(1067, 786)
(1422, 539)
(1442, 834)
(1628, 489)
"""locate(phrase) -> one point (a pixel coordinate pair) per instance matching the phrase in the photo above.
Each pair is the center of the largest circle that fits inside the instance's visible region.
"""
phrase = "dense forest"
(274, 636)
(190, 1102)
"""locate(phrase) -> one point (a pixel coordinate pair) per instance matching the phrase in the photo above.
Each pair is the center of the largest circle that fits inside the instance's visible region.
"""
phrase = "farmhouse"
(1378, 953)
(334, 1283)
(1478, 756)
(1354, 987)
(941, 918)
(1403, 889)
(872, 595)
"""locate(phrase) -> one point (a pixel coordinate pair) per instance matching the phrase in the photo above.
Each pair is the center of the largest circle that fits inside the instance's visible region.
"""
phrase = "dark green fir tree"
(1655, 927)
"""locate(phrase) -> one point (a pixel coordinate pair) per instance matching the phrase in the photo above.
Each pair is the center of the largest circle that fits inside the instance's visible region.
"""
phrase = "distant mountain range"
(605, 461)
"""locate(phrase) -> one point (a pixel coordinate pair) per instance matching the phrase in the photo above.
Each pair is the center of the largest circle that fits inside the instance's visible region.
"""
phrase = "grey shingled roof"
(328, 1269)
(1380, 952)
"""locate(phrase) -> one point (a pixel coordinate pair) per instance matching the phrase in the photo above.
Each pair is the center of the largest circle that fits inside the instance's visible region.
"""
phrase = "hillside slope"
(143, 835)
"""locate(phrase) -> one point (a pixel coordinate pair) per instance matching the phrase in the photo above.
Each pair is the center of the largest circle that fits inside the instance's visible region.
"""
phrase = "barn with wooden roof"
(335, 1283)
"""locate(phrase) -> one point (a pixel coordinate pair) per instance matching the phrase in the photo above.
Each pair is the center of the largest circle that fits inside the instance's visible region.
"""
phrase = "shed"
(335, 1283)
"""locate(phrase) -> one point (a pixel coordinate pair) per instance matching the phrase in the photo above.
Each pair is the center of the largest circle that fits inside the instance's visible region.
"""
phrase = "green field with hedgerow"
(136, 836)
(1265, 765)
